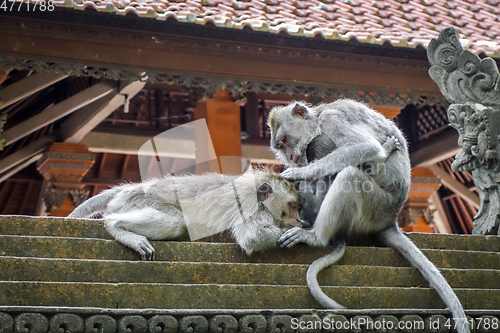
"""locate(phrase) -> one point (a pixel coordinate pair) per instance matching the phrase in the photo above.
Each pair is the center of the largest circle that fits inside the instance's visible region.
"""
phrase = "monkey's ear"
(264, 191)
(299, 111)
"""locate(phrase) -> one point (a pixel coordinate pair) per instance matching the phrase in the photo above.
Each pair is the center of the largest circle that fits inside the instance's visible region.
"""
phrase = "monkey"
(312, 193)
(256, 207)
(345, 140)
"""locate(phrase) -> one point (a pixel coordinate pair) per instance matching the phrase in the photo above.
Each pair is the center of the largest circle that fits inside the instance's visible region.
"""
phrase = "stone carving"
(472, 85)
(132, 324)
(280, 324)
(162, 324)
(31, 323)
(233, 321)
(253, 324)
(193, 324)
(54, 197)
(223, 324)
(6, 323)
(100, 324)
(66, 323)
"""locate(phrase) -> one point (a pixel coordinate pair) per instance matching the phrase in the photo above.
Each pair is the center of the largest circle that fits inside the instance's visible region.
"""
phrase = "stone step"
(52, 226)
(112, 271)
(84, 228)
(85, 248)
(214, 296)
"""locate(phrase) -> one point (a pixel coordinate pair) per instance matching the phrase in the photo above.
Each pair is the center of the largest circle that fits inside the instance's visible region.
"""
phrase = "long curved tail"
(393, 237)
(93, 205)
(312, 275)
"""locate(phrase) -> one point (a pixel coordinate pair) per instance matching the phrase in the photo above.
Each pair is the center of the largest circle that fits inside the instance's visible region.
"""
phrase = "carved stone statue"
(471, 84)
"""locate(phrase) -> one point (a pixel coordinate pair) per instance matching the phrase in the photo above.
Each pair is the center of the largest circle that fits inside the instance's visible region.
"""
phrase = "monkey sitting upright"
(255, 211)
(344, 138)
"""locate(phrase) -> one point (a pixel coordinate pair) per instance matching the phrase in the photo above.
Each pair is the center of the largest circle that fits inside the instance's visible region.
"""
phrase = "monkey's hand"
(294, 236)
(144, 247)
(293, 174)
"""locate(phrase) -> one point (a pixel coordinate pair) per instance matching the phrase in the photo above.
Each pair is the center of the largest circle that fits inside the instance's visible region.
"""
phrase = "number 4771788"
(28, 5)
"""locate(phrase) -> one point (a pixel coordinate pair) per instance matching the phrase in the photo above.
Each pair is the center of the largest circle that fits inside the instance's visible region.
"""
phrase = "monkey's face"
(292, 128)
(283, 203)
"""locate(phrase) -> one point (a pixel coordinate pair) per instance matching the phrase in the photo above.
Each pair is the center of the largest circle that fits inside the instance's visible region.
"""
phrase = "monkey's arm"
(252, 238)
(356, 144)
(337, 160)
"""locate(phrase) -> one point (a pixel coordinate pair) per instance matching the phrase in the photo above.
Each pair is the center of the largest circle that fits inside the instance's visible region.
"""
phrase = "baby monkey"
(256, 207)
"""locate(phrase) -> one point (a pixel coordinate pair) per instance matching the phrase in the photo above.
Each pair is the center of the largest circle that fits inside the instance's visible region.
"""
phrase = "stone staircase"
(72, 272)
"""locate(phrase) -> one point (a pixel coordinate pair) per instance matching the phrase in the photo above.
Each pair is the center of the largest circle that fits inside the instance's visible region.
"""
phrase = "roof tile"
(403, 23)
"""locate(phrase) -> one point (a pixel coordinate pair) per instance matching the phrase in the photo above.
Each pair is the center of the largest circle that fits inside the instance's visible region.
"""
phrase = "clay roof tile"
(402, 23)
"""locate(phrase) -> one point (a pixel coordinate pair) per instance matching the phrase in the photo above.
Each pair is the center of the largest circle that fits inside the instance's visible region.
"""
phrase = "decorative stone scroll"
(472, 85)
(326, 321)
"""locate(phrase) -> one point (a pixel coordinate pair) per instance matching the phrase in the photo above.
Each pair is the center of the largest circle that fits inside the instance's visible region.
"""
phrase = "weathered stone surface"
(123, 295)
(52, 226)
(79, 228)
(71, 270)
(79, 248)
(93, 272)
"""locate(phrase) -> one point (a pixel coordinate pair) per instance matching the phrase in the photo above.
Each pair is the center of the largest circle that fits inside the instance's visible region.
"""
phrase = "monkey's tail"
(396, 239)
(312, 275)
(93, 205)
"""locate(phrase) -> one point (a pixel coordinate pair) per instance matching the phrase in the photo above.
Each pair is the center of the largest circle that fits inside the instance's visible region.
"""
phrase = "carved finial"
(460, 74)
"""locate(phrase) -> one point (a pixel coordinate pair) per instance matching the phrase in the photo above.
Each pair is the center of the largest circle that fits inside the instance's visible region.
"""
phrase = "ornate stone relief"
(472, 84)
(179, 321)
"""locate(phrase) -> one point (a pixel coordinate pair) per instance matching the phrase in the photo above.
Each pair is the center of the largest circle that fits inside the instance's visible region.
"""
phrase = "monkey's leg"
(133, 229)
(393, 237)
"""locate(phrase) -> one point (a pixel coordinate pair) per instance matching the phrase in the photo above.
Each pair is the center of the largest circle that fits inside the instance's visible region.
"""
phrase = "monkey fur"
(343, 141)
(137, 212)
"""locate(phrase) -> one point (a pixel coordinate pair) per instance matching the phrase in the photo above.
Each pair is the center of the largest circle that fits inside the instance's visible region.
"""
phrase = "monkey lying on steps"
(255, 210)
(345, 138)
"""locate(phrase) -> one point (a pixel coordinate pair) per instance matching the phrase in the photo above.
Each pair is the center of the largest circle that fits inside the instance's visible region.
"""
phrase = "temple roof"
(406, 24)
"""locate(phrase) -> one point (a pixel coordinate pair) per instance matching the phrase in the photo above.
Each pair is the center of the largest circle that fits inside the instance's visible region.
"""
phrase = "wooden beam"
(19, 167)
(456, 186)
(83, 121)
(436, 149)
(25, 87)
(330, 68)
(441, 220)
(33, 149)
(59, 111)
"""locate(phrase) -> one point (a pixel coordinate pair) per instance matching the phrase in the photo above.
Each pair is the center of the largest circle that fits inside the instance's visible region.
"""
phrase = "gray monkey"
(137, 212)
(345, 138)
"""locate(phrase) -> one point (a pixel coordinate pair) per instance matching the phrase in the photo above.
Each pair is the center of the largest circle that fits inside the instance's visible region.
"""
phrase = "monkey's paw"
(293, 236)
(145, 249)
(391, 144)
(293, 174)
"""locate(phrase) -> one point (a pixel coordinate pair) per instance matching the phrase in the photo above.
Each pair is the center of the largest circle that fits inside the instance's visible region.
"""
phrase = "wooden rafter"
(59, 111)
(77, 127)
(437, 149)
(27, 86)
(25, 153)
(456, 186)
(83, 121)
